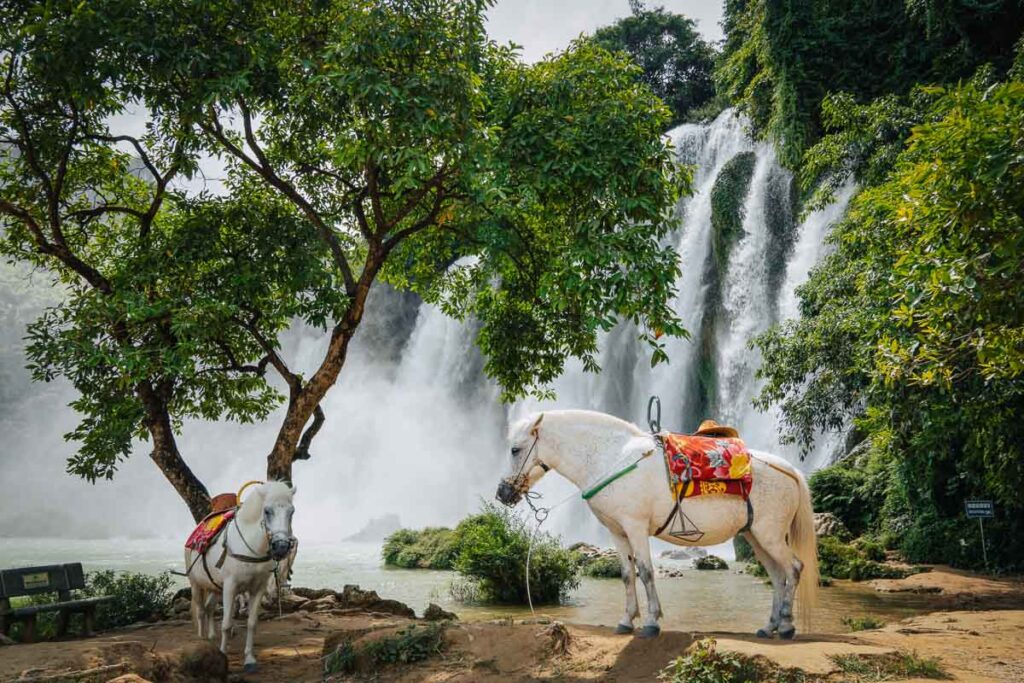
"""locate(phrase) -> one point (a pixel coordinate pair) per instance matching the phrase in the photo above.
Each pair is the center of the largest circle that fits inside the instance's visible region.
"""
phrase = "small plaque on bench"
(37, 580)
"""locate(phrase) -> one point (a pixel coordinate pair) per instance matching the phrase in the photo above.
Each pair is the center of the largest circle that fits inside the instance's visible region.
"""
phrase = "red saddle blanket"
(702, 465)
(208, 529)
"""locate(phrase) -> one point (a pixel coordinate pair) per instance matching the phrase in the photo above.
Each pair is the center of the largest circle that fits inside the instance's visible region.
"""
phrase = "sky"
(543, 26)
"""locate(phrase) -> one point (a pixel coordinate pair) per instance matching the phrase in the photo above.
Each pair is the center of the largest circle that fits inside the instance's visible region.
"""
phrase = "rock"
(670, 572)
(179, 605)
(290, 602)
(827, 524)
(435, 613)
(710, 562)
(354, 596)
(203, 662)
(323, 604)
(683, 554)
(312, 593)
(377, 529)
(4, 640)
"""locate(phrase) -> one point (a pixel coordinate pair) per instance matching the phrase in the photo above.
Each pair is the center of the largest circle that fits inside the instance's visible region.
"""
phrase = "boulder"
(827, 524)
(327, 602)
(435, 613)
(369, 601)
(710, 562)
(203, 662)
(4, 640)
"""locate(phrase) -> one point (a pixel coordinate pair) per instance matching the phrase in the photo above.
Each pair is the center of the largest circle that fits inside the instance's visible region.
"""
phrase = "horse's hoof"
(761, 633)
(251, 668)
(649, 632)
(787, 633)
(622, 629)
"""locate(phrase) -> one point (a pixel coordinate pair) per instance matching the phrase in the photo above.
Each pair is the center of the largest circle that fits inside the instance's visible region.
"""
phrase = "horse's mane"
(252, 506)
(593, 417)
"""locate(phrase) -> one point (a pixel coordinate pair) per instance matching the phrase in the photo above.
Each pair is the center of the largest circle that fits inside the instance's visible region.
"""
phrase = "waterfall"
(415, 429)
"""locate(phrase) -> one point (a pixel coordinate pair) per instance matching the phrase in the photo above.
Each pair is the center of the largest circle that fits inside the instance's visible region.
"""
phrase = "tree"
(675, 61)
(914, 327)
(363, 140)
(781, 58)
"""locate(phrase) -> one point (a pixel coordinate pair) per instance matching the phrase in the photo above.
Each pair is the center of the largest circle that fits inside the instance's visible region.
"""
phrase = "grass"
(703, 663)
(412, 644)
(865, 623)
(896, 666)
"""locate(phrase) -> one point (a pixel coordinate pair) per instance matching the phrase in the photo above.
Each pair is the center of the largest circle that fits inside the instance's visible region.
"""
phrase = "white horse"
(241, 560)
(588, 447)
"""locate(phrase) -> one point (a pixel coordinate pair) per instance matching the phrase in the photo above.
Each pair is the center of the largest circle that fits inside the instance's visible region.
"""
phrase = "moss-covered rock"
(710, 562)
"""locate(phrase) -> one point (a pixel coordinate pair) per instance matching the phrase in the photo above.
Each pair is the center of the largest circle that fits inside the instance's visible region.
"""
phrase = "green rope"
(593, 491)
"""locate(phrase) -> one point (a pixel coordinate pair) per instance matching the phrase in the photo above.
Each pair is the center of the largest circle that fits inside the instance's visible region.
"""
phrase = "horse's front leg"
(210, 611)
(629, 579)
(255, 601)
(228, 602)
(641, 546)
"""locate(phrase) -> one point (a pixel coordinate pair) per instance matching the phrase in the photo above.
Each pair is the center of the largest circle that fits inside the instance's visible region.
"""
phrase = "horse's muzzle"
(508, 494)
(280, 547)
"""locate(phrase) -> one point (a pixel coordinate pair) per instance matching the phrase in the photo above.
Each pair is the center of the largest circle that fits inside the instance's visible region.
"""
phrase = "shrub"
(898, 665)
(871, 549)
(430, 548)
(709, 562)
(757, 569)
(957, 542)
(865, 623)
(840, 489)
(412, 644)
(850, 561)
(492, 552)
(602, 567)
(704, 664)
(744, 551)
(137, 597)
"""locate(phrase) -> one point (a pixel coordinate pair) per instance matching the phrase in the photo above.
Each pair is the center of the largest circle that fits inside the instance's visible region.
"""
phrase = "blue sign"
(979, 509)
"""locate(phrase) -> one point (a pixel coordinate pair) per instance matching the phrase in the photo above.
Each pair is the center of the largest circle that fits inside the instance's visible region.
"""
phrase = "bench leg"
(30, 629)
(89, 628)
(62, 623)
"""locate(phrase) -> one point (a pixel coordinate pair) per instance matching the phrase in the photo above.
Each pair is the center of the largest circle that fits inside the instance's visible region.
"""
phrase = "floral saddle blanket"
(207, 531)
(703, 465)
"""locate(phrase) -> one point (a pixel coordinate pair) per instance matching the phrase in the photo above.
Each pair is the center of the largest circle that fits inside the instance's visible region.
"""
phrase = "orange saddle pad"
(702, 465)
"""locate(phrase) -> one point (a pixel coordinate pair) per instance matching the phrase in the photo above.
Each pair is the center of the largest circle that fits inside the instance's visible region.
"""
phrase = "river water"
(699, 600)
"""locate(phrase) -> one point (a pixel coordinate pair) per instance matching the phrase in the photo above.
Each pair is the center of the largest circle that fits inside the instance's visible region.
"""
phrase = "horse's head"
(526, 467)
(277, 517)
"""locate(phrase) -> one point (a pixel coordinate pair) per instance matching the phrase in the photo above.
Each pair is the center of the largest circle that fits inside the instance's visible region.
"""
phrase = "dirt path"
(976, 645)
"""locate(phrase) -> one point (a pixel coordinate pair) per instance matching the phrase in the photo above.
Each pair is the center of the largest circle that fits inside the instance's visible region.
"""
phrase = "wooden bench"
(57, 578)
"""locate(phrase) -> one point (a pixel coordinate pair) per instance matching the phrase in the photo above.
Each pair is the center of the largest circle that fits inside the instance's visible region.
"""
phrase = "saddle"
(203, 536)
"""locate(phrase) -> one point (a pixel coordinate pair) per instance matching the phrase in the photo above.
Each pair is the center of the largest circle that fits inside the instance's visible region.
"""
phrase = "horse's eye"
(516, 450)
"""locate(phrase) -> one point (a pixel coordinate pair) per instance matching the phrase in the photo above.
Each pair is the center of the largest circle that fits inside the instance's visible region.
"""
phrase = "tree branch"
(262, 166)
(302, 452)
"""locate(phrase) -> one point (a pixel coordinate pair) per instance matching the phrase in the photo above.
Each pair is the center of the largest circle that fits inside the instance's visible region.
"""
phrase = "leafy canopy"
(360, 138)
(675, 62)
(916, 323)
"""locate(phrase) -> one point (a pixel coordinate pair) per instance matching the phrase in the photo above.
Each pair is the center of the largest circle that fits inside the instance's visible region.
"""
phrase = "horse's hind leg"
(210, 610)
(641, 546)
(199, 610)
(786, 577)
(778, 579)
(629, 579)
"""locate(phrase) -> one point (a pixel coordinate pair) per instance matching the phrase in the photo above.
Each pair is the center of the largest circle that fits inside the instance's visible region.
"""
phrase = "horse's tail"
(805, 544)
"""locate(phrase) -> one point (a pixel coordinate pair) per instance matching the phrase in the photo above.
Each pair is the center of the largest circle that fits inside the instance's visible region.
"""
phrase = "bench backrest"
(54, 578)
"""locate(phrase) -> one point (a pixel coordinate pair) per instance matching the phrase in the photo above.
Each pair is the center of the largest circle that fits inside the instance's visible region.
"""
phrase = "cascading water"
(416, 430)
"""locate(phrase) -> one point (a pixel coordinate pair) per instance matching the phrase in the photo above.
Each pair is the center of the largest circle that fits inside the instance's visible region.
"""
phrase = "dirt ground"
(973, 645)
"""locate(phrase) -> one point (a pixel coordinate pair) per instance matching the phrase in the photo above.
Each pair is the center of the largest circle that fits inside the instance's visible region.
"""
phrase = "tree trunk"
(167, 457)
(304, 403)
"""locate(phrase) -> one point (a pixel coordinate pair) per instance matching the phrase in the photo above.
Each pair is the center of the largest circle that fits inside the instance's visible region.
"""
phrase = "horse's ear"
(295, 489)
(536, 425)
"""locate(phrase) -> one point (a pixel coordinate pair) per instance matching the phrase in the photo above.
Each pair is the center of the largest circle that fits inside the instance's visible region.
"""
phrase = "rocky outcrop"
(435, 613)
(377, 529)
(710, 562)
(827, 524)
(349, 599)
(683, 554)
